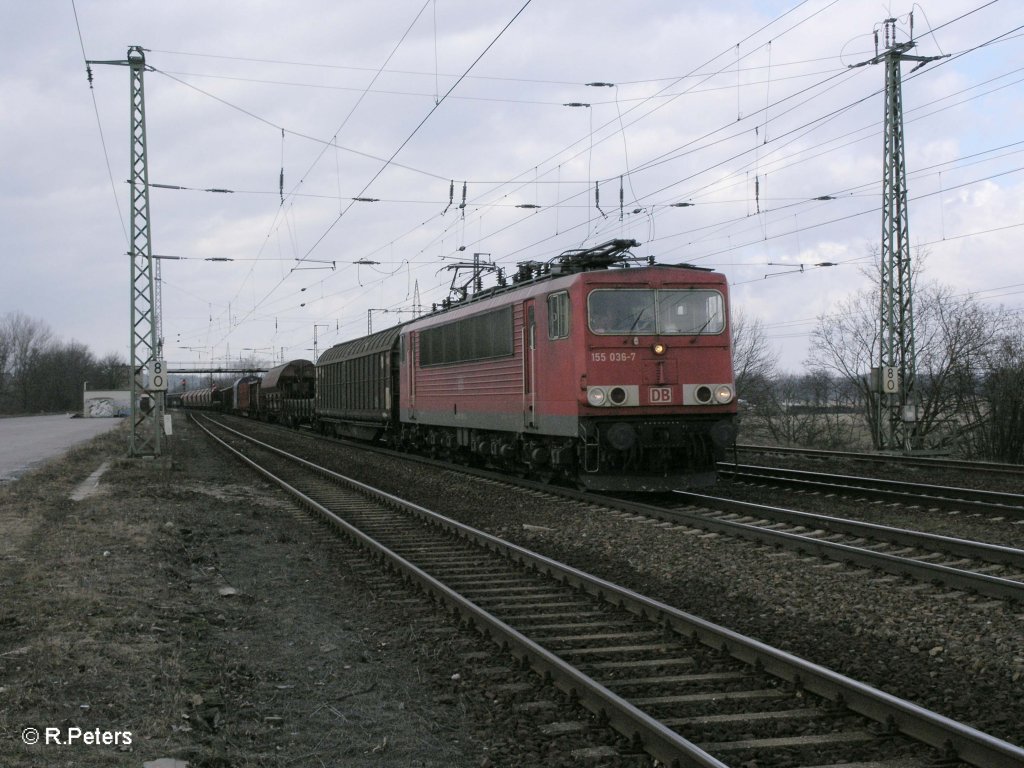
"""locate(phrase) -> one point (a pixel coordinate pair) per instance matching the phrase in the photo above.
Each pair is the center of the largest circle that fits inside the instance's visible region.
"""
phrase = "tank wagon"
(614, 376)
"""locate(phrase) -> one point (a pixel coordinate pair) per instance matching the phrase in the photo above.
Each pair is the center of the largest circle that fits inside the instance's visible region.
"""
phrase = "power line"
(409, 138)
(99, 125)
(483, 205)
(493, 78)
(291, 132)
(421, 124)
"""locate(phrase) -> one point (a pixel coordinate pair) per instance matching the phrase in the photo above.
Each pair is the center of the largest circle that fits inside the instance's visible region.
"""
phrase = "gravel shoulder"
(190, 613)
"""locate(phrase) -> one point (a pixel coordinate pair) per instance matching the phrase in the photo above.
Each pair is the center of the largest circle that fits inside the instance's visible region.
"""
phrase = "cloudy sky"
(412, 134)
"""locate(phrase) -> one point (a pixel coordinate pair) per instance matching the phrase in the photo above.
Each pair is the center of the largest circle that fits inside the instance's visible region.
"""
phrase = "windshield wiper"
(637, 321)
(703, 327)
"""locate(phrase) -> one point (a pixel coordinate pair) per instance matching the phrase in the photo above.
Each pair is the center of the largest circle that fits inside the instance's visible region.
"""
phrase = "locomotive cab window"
(611, 311)
(558, 315)
(691, 312)
(683, 312)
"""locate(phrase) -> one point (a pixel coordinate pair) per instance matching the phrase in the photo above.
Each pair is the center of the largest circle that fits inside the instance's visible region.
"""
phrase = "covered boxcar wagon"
(357, 386)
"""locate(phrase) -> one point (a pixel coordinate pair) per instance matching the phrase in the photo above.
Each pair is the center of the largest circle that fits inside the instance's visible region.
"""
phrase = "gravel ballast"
(959, 655)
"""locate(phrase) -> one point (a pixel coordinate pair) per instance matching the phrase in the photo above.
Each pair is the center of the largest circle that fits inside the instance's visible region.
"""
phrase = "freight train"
(588, 368)
(283, 395)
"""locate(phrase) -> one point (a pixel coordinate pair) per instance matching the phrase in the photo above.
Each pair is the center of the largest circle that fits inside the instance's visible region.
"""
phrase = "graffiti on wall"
(107, 404)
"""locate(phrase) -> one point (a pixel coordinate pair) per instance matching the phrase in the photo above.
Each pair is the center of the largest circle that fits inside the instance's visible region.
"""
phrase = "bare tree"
(843, 345)
(992, 403)
(1004, 392)
(6, 359)
(111, 372)
(952, 335)
(753, 359)
(957, 344)
(28, 339)
(57, 374)
(40, 373)
(816, 409)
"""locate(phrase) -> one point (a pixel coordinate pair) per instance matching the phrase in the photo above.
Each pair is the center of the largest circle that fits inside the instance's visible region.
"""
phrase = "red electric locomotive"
(618, 377)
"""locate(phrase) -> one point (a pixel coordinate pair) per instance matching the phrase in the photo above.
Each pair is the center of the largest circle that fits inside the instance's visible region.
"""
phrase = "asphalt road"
(26, 441)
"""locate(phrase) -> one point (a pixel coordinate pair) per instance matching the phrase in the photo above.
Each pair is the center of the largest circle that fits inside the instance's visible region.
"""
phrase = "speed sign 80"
(158, 375)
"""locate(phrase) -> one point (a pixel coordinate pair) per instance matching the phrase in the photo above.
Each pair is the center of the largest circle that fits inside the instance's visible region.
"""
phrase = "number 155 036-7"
(612, 357)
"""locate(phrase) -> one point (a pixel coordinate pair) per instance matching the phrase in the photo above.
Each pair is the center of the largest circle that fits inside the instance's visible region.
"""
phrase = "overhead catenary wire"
(558, 229)
(391, 159)
(536, 180)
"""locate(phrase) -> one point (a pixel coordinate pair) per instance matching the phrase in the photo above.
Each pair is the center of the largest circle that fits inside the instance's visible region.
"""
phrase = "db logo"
(658, 395)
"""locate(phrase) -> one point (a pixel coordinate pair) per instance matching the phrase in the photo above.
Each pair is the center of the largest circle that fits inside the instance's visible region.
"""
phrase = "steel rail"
(969, 744)
(935, 462)
(914, 493)
(983, 584)
(978, 550)
(956, 578)
(657, 739)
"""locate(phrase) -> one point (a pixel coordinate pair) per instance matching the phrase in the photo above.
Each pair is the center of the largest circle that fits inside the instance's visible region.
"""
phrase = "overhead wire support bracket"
(326, 265)
(451, 197)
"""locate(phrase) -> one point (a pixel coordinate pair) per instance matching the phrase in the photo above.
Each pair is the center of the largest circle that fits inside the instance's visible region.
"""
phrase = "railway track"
(984, 569)
(685, 691)
(969, 566)
(1010, 505)
(930, 462)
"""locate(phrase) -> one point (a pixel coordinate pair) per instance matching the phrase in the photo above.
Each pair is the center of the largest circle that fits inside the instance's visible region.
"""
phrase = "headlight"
(703, 394)
(658, 348)
(618, 395)
(723, 394)
(596, 396)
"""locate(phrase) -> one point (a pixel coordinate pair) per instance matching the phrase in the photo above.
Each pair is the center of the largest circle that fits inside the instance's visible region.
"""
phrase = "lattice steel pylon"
(897, 363)
(897, 398)
(147, 406)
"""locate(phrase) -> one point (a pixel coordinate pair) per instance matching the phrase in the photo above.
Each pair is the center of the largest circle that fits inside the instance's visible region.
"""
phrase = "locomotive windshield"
(664, 311)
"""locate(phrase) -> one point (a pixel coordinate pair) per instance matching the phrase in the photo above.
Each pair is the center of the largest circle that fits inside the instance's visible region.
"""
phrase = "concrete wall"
(106, 402)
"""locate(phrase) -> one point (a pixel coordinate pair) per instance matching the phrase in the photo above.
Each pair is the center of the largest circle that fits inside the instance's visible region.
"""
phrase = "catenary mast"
(895, 376)
(149, 379)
